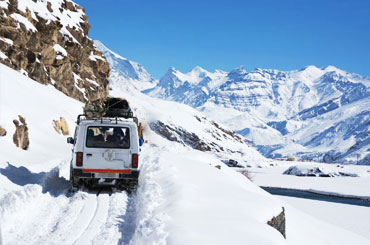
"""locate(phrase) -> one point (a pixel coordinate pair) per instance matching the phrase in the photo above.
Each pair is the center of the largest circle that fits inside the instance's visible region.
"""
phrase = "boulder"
(2, 131)
(20, 137)
(61, 126)
(278, 222)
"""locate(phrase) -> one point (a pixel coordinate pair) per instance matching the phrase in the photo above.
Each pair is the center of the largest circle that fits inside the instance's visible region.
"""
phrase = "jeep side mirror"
(141, 142)
(70, 140)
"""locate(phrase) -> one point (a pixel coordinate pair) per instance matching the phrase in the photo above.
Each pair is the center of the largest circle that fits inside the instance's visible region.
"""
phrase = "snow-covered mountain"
(126, 71)
(314, 113)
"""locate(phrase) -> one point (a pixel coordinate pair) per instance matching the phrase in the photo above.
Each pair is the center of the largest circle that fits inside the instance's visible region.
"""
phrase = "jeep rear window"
(108, 137)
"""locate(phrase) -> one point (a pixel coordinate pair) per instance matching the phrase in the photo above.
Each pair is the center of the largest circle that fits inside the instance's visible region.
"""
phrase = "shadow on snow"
(50, 181)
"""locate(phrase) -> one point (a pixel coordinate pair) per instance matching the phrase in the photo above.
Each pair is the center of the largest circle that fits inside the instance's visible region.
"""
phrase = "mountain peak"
(104, 49)
(172, 69)
(310, 68)
(331, 68)
(237, 73)
(198, 69)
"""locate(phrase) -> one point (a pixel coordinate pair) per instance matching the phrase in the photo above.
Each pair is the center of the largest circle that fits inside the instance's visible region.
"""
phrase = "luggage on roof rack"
(108, 107)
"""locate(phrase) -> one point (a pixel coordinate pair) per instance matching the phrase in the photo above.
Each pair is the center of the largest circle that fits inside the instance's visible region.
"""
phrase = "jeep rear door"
(107, 149)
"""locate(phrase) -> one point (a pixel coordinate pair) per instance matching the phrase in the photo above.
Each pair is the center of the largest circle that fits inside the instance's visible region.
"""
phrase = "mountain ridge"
(270, 107)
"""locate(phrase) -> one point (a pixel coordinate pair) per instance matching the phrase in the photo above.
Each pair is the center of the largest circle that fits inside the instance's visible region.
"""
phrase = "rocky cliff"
(48, 41)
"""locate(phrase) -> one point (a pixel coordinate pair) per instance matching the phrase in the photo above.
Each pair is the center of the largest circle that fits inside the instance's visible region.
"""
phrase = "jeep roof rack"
(101, 118)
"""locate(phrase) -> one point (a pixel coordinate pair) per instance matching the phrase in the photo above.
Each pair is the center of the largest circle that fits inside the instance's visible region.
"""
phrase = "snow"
(7, 40)
(232, 213)
(23, 72)
(92, 82)
(184, 196)
(23, 20)
(77, 79)
(338, 186)
(124, 70)
(60, 49)
(310, 113)
(94, 57)
(4, 4)
(3, 56)
(304, 229)
(349, 217)
(39, 105)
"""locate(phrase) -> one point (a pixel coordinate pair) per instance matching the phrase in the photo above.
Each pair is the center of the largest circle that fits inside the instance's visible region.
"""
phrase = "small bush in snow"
(247, 174)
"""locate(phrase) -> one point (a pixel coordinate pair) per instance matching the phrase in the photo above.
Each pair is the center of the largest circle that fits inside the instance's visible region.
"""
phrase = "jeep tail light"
(135, 161)
(79, 159)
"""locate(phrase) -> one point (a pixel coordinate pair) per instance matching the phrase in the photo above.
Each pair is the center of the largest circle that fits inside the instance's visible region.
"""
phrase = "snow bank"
(184, 199)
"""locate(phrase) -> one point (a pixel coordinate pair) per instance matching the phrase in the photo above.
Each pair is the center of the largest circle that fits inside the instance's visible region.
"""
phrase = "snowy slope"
(39, 105)
(124, 70)
(285, 113)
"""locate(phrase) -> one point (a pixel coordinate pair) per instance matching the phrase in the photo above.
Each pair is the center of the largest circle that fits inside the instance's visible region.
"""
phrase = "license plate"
(106, 175)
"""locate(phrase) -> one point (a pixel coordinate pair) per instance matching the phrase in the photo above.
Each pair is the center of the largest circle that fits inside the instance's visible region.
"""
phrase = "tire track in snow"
(87, 217)
(69, 219)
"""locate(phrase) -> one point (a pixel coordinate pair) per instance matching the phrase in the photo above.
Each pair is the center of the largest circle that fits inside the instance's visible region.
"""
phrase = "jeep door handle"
(89, 154)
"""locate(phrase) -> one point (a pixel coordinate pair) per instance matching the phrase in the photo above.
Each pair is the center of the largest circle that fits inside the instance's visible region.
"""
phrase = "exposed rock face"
(48, 41)
(61, 126)
(180, 135)
(2, 131)
(20, 137)
(278, 223)
(214, 143)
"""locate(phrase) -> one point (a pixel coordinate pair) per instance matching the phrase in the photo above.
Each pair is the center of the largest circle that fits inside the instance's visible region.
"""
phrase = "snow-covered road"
(41, 210)
(32, 216)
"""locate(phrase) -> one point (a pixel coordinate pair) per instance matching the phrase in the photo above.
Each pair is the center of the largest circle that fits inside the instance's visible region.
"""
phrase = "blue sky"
(221, 34)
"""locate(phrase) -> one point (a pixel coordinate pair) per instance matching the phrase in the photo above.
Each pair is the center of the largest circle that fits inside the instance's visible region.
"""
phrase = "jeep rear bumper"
(93, 173)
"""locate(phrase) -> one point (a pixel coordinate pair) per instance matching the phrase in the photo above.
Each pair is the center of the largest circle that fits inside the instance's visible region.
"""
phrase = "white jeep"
(105, 152)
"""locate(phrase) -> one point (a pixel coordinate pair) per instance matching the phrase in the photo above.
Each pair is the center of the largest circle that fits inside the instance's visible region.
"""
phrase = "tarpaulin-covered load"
(108, 107)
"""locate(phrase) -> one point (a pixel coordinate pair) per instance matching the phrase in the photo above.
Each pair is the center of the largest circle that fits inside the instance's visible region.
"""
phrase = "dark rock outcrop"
(278, 222)
(50, 44)
(216, 143)
(20, 137)
(180, 135)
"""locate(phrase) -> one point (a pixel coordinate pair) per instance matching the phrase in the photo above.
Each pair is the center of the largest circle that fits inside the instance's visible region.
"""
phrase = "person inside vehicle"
(120, 139)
